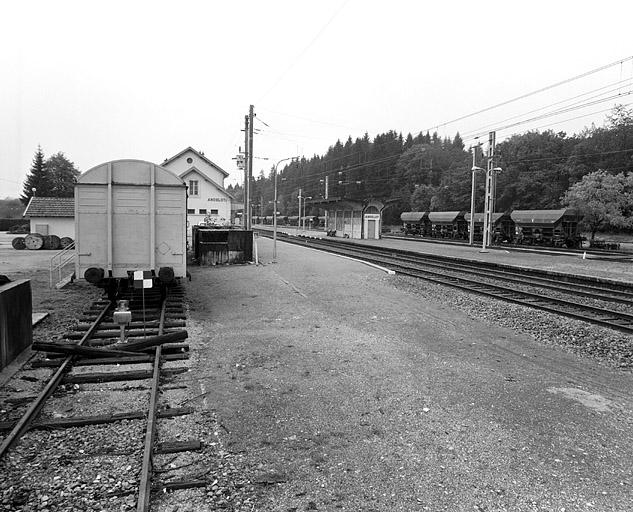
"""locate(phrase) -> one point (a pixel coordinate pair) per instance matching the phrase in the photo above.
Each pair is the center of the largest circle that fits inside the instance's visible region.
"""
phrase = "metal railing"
(59, 262)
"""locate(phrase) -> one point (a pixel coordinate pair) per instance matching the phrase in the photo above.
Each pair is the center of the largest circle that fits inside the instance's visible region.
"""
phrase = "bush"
(18, 229)
(7, 224)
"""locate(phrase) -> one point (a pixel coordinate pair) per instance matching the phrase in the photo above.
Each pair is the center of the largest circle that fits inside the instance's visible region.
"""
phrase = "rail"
(23, 424)
(95, 341)
(145, 486)
(57, 263)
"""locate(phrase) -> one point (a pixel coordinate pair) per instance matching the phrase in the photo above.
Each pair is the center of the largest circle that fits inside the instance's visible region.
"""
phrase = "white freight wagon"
(130, 215)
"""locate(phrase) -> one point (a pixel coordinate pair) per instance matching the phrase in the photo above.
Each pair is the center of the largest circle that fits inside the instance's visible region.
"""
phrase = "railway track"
(612, 254)
(98, 392)
(589, 300)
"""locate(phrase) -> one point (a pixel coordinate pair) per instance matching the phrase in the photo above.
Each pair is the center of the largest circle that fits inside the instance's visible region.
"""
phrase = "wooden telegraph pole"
(251, 118)
(246, 223)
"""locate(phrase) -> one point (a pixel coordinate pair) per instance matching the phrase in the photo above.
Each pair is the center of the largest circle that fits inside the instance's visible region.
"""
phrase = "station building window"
(193, 187)
(214, 212)
(202, 211)
(191, 211)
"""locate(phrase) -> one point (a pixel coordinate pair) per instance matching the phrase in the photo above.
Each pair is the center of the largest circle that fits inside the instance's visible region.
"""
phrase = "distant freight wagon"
(552, 228)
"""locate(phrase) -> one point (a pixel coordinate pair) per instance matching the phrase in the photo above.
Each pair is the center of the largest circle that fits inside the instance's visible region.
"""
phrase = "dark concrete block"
(16, 332)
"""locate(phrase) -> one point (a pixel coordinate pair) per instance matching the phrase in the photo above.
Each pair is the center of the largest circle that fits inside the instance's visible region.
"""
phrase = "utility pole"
(327, 186)
(299, 218)
(489, 206)
(247, 202)
(251, 119)
(472, 194)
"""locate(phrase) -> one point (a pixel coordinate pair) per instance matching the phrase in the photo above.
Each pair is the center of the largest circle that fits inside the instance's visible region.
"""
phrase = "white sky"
(108, 80)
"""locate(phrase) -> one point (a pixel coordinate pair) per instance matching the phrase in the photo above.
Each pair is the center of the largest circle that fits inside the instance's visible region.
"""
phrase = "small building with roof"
(51, 216)
(350, 218)
(208, 201)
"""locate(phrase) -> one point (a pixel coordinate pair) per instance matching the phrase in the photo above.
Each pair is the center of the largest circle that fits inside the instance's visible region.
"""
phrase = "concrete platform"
(572, 263)
(358, 393)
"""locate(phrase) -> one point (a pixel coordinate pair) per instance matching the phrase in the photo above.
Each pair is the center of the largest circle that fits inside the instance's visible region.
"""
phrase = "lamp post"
(275, 207)
(471, 237)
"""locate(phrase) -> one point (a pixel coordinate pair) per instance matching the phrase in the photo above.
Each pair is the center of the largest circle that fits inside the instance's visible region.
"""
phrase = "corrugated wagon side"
(130, 215)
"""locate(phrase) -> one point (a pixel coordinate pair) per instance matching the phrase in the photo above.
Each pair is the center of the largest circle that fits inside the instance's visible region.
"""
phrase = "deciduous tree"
(62, 175)
(604, 199)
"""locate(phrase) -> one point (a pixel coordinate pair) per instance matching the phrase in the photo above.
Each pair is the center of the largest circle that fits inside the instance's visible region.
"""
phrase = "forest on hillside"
(426, 172)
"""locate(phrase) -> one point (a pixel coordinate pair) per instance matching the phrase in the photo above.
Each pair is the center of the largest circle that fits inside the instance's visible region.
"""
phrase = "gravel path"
(342, 388)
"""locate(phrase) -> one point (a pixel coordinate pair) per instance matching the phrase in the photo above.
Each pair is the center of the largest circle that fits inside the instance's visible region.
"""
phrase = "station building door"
(371, 229)
(371, 221)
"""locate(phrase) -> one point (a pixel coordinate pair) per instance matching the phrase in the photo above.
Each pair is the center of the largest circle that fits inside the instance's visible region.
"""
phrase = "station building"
(208, 201)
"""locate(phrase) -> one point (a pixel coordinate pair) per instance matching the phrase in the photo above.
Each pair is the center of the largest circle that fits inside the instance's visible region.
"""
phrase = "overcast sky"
(103, 81)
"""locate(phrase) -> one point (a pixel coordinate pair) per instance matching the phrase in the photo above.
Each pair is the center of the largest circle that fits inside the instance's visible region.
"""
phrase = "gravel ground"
(321, 384)
(342, 388)
(604, 345)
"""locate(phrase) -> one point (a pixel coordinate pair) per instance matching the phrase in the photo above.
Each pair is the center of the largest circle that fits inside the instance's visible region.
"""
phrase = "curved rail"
(31, 413)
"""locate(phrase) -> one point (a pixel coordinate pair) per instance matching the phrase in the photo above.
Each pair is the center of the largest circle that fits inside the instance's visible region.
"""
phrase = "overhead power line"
(563, 110)
(580, 117)
(310, 120)
(615, 86)
(527, 95)
(305, 49)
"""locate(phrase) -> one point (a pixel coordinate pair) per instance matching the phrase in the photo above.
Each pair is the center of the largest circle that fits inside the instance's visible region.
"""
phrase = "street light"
(275, 207)
(471, 237)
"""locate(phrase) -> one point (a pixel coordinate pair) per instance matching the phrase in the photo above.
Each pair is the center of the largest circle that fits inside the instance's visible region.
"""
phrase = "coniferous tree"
(38, 178)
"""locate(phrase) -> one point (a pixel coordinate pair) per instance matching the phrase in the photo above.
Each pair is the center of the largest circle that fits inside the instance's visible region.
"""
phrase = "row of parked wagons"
(310, 221)
(554, 228)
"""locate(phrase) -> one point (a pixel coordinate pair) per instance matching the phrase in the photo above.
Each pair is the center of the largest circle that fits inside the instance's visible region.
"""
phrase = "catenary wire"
(527, 95)
(492, 125)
